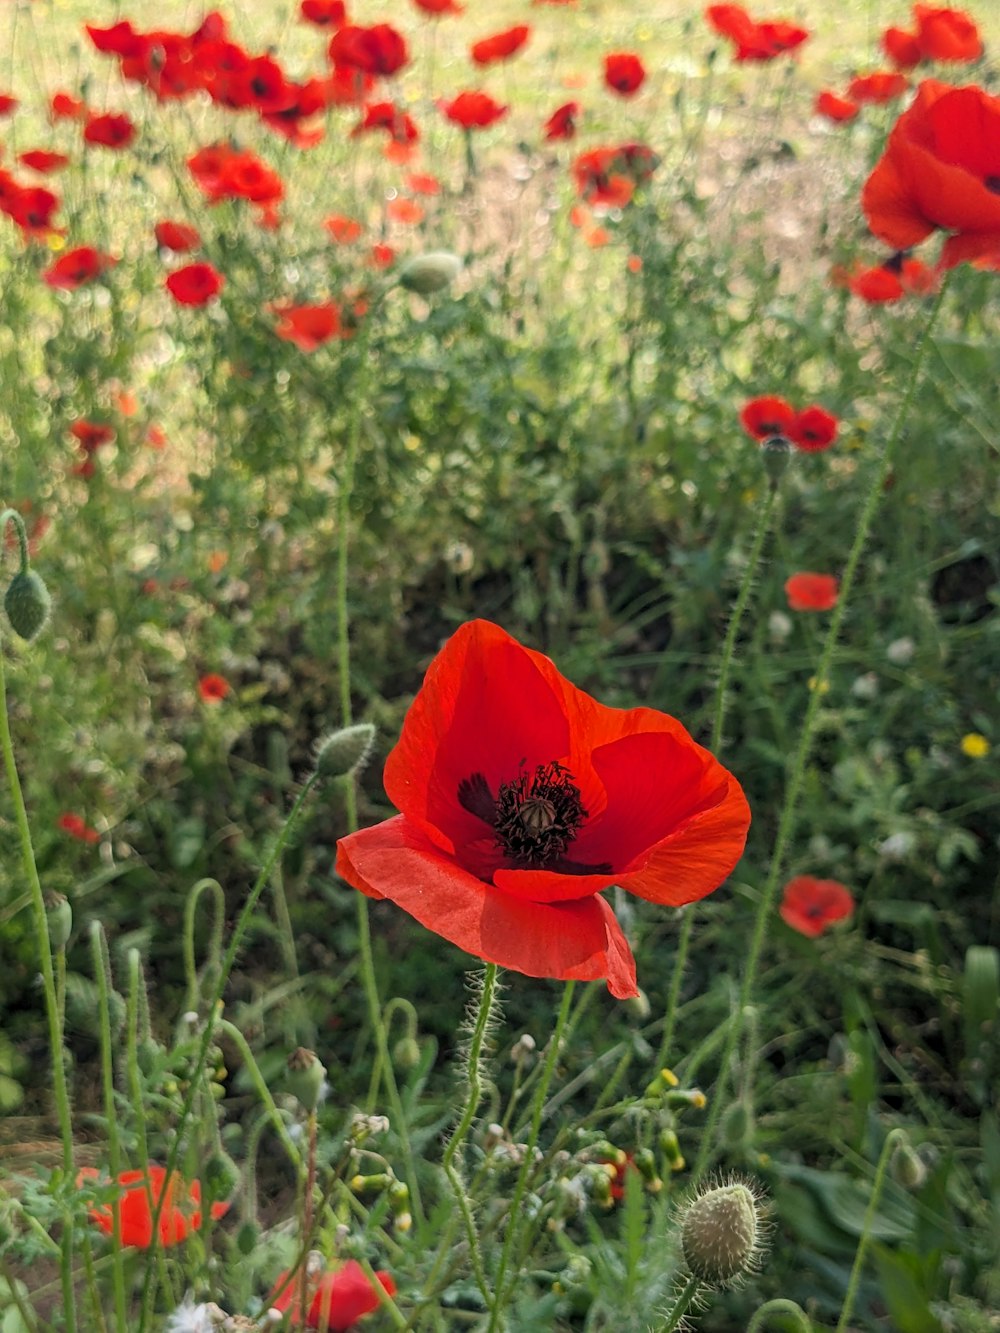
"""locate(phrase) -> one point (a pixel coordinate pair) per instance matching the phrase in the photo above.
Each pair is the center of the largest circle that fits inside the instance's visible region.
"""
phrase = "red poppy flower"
(899, 276)
(181, 1213)
(120, 39)
(522, 798)
(436, 7)
(194, 284)
(223, 172)
(213, 688)
(834, 107)
(309, 326)
(40, 159)
(324, 13)
(766, 416)
(76, 826)
(75, 267)
(947, 35)
(473, 110)
(8, 103)
(91, 434)
(382, 256)
(813, 429)
(501, 46)
(624, 73)
(754, 41)
(811, 592)
(731, 21)
(601, 178)
(176, 236)
(387, 116)
(339, 1299)
(882, 86)
(110, 131)
(940, 169)
(811, 906)
(562, 123)
(901, 48)
(423, 183)
(29, 208)
(344, 230)
(62, 106)
(379, 50)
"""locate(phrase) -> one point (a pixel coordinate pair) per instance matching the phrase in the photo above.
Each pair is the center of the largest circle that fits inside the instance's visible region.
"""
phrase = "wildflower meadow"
(500, 666)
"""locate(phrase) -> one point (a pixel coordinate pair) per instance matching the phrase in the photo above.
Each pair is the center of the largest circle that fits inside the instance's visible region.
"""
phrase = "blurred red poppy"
(755, 41)
(40, 159)
(29, 207)
(8, 103)
(812, 906)
(344, 230)
(885, 283)
(176, 236)
(834, 107)
(624, 73)
(194, 284)
(901, 48)
(946, 34)
(473, 110)
(75, 267)
(813, 429)
(435, 7)
(562, 123)
(180, 1215)
(63, 106)
(766, 416)
(213, 688)
(309, 326)
(523, 798)
(423, 183)
(324, 13)
(501, 46)
(76, 826)
(940, 170)
(110, 131)
(337, 1300)
(881, 86)
(90, 435)
(379, 50)
(387, 116)
(811, 592)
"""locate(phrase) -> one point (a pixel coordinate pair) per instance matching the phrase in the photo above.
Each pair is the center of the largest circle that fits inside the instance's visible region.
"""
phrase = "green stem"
(262, 1090)
(475, 1073)
(780, 1306)
(681, 1305)
(12, 516)
(514, 1215)
(789, 810)
(214, 940)
(892, 1138)
(52, 1012)
(101, 966)
(714, 744)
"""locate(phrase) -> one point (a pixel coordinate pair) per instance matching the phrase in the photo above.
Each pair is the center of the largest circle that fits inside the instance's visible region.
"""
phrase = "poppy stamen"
(538, 815)
(992, 184)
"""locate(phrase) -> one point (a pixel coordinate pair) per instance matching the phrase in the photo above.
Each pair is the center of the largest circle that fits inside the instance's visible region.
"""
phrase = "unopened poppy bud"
(406, 1052)
(671, 1148)
(639, 1005)
(247, 1237)
(907, 1168)
(737, 1123)
(59, 916)
(305, 1077)
(27, 603)
(775, 454)
(721, 1234)
(344, 751)
(221, 1175)
(426, 274)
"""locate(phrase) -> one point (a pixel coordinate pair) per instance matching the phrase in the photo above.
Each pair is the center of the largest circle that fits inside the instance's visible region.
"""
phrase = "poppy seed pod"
(721, 1233)
(344, 751)
(27, 603)
(426, 274)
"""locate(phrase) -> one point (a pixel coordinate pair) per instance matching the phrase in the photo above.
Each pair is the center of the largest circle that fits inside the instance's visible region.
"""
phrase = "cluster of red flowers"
(610, 176)
(811, 430)
(755, 40)
(140, 1196)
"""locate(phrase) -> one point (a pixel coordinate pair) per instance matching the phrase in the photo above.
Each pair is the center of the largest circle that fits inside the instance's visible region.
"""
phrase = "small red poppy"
(401, 126)
(882, 86)
(885, 283)
(940, 170)
(91, 434)
(213, 688)
(344, 230)
(382, 256)
(811, 592)
(309, 326)
(76, 267)
(436, 7)
(766, 416)
(180, 1215)
(324, 13)
(379, 50)
(40, 159)
(63, 106)
(423, 183)
(947, 35)
(110, 131)
(29, 207)
(834, 107)
(501, 46)
(901, 48)
(523, 798)
(812, 906)
(562, 123)
(76, 826)
(337, 1300)
(8, 103)
(813, 429)
(194, 284)
(176, 236)
(473, 110)
(624, 73)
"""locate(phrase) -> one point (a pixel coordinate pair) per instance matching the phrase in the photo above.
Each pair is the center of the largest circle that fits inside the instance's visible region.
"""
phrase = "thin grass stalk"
(214, 950)
(789, 809)
(894, 1137)
(102, 965)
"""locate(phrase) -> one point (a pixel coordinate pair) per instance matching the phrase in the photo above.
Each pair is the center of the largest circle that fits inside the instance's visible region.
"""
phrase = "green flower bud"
(426, 274)
(775, 454)
(247, 1237)
(737, 1123)
(305, 1077)
(344, 751)
(27, 604)
(907, 1168)
(59, 916)
(221, 1175)
(721, 1234)
(406, 1052)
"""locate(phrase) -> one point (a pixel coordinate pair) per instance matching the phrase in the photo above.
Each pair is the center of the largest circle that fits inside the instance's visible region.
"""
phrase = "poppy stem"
(797, 776)
(894, 1137)
(514, 1216)
(681, 1305)
(783, 1307)
(474, 1072)
(52, 1010)
(102, 972)
(714, 744)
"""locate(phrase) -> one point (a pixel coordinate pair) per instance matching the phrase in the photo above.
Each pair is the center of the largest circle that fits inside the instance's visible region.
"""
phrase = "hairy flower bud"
(27, 603)
(59, 916)
(305, 1077)
(721, 1233)
(426, 274)
(344, 751)
(908, 1169)
(221, 1175)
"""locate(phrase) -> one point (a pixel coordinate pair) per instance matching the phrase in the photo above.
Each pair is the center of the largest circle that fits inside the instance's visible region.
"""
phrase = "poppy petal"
(569, 941)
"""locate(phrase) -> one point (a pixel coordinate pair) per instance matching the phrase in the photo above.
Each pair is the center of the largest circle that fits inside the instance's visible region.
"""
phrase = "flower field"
(499, 667)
